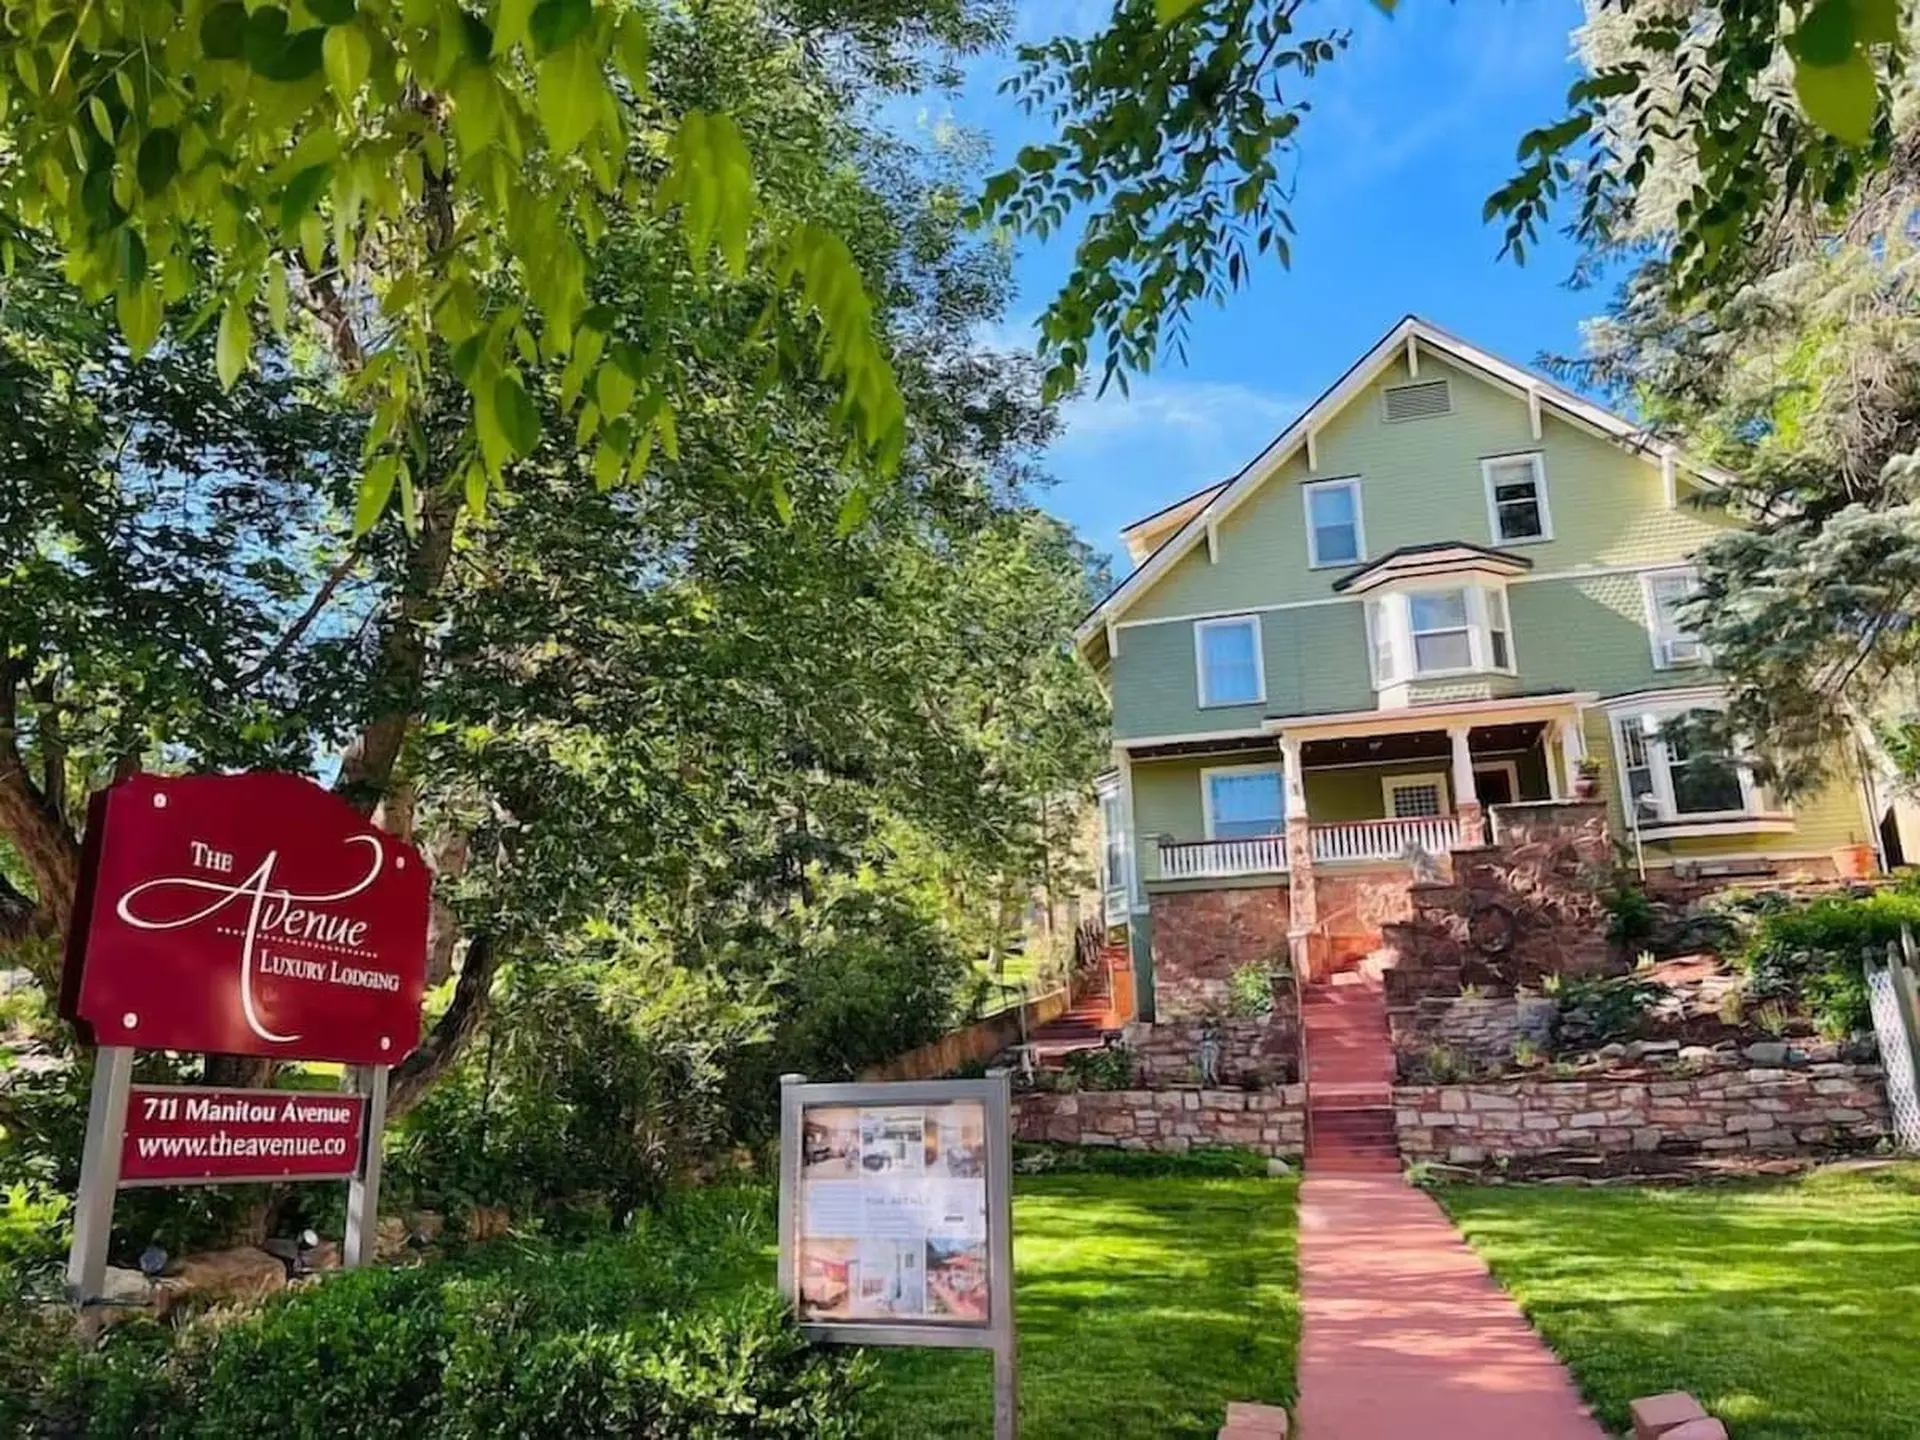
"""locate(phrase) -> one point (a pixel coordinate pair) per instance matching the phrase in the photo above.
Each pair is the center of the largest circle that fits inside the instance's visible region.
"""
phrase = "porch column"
(1466, 794)
(1303, 908)
(1573, 749)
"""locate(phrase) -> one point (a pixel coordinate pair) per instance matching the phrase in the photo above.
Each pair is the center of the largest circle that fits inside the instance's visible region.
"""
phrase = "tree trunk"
(45, 843)
(435, 1055)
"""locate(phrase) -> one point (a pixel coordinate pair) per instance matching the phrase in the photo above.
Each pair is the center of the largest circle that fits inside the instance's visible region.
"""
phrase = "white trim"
(1134, 887)
(1348, 598)
(1191, 737)
(1308, 490)
(1658, 639)
(1669, 483)
(1213, 542)
(1714, 695)
(1436, 778)
(1200, 628)
(1763, 824)
(1113, 641)
(1660, 862)
(1394, 722)
(1668, 822)
(1313, 451)
(1533, 411)
(1510, 768)
(1413, 357)
(1207, 772)
(1492, 370)
(1539, 459)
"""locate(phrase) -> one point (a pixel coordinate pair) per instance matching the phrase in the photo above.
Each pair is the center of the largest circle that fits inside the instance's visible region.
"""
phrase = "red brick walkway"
(1407, 1335)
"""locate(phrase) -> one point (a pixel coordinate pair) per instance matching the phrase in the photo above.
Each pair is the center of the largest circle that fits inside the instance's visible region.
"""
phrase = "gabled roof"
(1410, 335)
(1143, 535)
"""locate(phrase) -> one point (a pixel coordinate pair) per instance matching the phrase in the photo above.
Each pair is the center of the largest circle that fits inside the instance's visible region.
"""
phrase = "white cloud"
(1204, 413)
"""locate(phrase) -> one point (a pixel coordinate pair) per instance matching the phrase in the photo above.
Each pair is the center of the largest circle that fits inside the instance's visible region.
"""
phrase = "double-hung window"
(1517, 499)
(1441, 630)
(1669, 775)
(1227, 659)
(1244, 801)
(1335, 535)
(1113, 855)
(1674, 643)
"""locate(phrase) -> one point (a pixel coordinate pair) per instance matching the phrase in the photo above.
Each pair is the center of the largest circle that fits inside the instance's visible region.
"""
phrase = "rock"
(243, 1273)
(488, 1222)
(424, 1226)
(1768, 1052)
(12, 980)
(1656, 1415)
(1657, 1049)
(389, 1237)
(126, 1287)
(1613, 1051)
(1277, 1168)
(1696, 1055)
(324, 1256)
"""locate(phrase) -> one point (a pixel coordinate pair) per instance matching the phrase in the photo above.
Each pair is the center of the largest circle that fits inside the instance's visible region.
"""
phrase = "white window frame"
(1395, 613)
(1668, 820)
(1307, 492)
(1538, 461)
(1113, 841)
(1472, 623)
(1200, 627)
(1658, 639)
(1438, 778)
(1207, 772)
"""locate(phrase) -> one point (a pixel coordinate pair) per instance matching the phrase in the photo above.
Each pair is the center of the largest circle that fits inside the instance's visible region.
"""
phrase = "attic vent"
(1418, 402)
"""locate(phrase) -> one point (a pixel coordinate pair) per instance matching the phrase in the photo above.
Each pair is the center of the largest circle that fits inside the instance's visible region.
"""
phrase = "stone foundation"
(1200, 937)
(1524, 908)
(1271, 1122)
(1357, 903)
(1829, 1106)
(1483, 1031)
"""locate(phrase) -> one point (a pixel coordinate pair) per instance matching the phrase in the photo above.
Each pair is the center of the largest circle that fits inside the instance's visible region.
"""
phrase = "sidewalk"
(1404, 1333)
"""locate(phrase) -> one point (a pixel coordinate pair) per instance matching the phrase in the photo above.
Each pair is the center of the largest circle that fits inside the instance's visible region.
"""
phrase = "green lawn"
(1145, 1305)
(1790, 1308)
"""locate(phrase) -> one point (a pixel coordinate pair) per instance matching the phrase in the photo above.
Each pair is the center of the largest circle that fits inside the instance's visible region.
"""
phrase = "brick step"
(1353, 1117)
(1352, 1165)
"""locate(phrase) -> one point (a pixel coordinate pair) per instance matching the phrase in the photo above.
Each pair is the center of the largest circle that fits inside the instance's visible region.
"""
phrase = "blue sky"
(1410, 130)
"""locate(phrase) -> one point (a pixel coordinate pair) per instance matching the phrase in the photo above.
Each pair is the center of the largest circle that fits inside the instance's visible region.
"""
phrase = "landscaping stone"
(126, 1287)
(1269, 1122)
(1768, 1052)
(216, 1276)
(1655, 1415)
(1247, 1421)
(1708, 1429)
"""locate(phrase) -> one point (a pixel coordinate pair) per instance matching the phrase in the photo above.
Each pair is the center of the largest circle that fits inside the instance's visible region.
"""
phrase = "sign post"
(252, 915)
(896, 1218)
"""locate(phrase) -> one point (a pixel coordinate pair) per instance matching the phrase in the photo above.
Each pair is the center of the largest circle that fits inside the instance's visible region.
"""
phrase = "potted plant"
(1586, 780)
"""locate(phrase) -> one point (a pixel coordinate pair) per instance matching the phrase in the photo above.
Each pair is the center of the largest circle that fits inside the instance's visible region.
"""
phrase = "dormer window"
(1517, 499)
(1334, 534)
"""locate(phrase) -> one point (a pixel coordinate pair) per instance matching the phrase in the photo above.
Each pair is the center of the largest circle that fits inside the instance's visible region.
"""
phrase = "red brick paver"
(1405, 1334)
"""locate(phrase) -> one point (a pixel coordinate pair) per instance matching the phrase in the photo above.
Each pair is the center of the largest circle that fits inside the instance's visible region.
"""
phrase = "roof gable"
(1294, 449)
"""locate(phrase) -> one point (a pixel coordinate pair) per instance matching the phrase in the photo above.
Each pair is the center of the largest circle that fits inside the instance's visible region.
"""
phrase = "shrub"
(1814, 955)
(1201, 1163)
(663, 1332)
(1111, 1067)
(1250, 992)
(1605, 1009)
(1631, 917)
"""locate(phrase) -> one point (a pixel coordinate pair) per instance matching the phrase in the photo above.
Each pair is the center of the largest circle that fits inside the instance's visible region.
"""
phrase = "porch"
(1378, 840)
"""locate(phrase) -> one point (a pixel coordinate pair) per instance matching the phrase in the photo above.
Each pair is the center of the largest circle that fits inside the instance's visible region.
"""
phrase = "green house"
(1447, 589)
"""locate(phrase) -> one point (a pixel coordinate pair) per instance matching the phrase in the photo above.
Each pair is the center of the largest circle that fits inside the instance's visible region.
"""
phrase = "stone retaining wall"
(1200, 937)
(1483, 1030)
(1264, 1050)
(1272, 1122)
(1828, 1106)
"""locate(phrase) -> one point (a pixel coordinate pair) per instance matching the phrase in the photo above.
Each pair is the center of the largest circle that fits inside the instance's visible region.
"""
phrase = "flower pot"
(1853, 862)
(1586, 787)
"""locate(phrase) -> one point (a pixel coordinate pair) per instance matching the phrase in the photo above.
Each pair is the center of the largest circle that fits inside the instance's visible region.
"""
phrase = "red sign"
(179, 1133)
(246, 915)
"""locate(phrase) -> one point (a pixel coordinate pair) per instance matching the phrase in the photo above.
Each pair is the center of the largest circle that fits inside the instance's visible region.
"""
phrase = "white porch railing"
(1212, 859)
(1385, 839)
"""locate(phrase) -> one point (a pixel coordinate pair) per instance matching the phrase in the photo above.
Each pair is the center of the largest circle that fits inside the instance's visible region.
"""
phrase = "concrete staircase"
(1349, 1076)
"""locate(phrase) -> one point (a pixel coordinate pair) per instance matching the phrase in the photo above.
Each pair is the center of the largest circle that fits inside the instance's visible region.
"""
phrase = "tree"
(427, 181)
(1803, 383)
(1176, 125)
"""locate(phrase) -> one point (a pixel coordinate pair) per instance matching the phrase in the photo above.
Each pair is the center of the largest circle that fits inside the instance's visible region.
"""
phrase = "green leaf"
(1841, 99)
(510, 24)
(376, 489)
(140, 312)
(710, 177)
(1825, 37)
(554, 22)
(235, 344)
(331, 12)
(277, 297)
(519, 419)
(348, 56)
(614, 389)
(223, 31)
(633, 49)
(476, 36)
(158, 161)
(302, 191)
(476, 487)
(266, 37)
(571, 92)
(1876, 22)
(1168, 11)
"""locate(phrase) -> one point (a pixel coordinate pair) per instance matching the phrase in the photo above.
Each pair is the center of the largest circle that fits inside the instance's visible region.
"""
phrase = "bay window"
(1670, 775)
(1458, 629)
(1227, 661)
(1243, 801)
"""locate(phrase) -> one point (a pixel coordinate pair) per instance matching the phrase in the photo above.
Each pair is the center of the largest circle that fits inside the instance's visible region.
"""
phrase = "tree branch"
(47, 847)
(442, 1045)
(299, 627)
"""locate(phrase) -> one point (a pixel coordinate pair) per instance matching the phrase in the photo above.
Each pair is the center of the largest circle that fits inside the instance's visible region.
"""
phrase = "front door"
(1495, 785)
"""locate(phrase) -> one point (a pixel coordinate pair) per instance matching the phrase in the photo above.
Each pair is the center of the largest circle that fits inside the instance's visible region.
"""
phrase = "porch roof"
(1441, 715)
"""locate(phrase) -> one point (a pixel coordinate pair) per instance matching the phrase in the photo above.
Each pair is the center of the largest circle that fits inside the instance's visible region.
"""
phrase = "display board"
(896, 1217)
